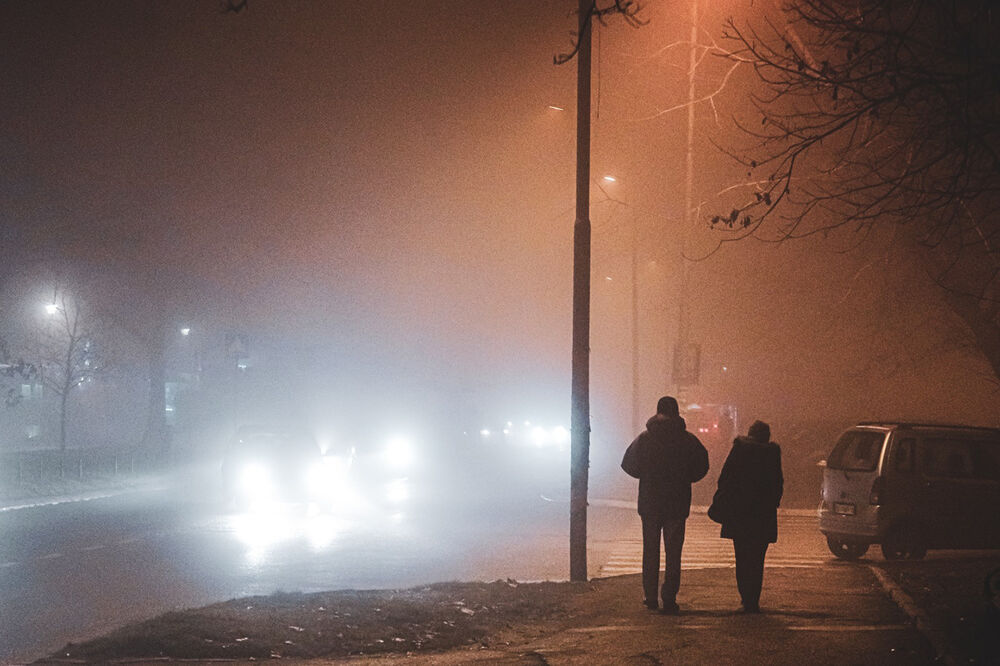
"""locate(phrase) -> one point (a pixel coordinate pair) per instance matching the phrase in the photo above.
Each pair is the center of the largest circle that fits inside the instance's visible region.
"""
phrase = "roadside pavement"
(815, 609)
(837, 614)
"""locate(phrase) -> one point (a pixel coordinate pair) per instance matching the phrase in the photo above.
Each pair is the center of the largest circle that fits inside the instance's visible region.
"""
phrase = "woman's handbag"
(721, 510)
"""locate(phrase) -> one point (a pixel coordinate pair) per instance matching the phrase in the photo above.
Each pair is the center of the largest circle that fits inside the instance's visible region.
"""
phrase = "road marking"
(51, 556)
(7, 565)
(614, 627)
(698, 509)
(704, 549)
(837, 628)
(851, 627)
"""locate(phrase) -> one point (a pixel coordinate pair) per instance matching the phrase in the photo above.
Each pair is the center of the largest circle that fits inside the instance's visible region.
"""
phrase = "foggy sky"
(389, 175)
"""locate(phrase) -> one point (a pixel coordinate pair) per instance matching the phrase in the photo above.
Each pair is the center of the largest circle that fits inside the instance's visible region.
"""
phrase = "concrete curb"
(934, 636)
(88, 496)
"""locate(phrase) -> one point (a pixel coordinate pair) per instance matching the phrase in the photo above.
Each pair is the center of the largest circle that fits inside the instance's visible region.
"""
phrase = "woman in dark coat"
(750, 487)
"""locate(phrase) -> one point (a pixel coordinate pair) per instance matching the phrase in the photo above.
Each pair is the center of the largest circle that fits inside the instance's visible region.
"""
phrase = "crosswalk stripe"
(704, 549)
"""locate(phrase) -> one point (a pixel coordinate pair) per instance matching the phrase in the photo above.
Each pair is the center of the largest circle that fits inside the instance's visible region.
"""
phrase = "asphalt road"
(75, 570)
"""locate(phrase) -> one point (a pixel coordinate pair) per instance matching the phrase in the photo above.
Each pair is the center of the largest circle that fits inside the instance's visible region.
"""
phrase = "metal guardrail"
(25, 467)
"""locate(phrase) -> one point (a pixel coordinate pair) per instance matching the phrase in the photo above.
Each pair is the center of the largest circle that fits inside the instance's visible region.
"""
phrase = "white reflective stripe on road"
(800, 545)
(843, 628)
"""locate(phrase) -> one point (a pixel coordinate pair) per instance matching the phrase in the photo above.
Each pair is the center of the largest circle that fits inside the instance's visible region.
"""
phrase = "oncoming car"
(385, 472)
(267, 466)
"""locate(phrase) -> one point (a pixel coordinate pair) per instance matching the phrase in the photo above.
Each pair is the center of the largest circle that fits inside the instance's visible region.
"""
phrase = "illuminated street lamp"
(51, 308)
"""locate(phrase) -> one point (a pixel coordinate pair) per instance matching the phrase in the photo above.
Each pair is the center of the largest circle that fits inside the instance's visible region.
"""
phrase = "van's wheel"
(846, 550)
(903, 543)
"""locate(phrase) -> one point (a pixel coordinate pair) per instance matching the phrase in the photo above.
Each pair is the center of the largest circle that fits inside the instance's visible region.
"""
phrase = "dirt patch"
(338, 624)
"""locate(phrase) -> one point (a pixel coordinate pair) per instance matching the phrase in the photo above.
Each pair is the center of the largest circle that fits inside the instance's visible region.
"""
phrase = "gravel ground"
(335, 624)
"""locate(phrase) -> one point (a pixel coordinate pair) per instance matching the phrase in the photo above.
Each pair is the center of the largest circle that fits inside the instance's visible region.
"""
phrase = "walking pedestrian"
(746, 503)
(666, 459)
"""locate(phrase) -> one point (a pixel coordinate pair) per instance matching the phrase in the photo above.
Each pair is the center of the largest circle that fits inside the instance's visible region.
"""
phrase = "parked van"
(911, 487)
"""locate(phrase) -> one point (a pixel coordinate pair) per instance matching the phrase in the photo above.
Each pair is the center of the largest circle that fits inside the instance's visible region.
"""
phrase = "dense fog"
(373, 205)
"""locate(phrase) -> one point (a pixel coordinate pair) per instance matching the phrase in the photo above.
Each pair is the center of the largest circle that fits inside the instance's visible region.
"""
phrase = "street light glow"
(186, 331)
(51, 308)
(611, 179)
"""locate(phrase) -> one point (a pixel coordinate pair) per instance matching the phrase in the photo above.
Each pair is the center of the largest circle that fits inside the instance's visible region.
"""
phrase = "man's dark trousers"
(672, 529)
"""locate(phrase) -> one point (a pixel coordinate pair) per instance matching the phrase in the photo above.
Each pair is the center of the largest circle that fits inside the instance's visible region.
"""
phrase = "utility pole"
(684, 342)
(580, 418)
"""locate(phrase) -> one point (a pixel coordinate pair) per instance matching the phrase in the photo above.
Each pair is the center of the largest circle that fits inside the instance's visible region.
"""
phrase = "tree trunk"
(156, 418)
(63, 399)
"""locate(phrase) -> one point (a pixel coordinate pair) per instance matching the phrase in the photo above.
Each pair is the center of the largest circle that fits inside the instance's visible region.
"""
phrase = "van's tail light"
(875, 496)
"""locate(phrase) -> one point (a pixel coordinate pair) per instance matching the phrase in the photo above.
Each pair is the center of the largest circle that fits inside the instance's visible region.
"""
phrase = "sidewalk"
(834, 615)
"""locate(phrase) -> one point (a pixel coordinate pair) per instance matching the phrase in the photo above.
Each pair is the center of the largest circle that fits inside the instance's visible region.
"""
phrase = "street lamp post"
(580, 398)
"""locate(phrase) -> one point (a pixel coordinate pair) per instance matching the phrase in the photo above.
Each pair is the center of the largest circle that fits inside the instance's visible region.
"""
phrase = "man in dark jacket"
(666, 459)
(750, 487)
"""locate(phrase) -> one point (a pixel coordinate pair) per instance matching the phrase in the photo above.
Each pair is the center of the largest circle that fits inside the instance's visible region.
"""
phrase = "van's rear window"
(856, 451)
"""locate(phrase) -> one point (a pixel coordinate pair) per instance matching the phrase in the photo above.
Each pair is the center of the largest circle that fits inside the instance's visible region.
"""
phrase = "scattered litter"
(294, 628)
(468, 611)
(244, 638)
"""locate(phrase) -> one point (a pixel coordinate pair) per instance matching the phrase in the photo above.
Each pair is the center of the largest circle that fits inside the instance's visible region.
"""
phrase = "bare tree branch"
(627, 9)
(877, 113)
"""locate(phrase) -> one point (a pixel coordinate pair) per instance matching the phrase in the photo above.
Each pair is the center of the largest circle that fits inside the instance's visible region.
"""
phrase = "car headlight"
(256, 481)
(399, 452)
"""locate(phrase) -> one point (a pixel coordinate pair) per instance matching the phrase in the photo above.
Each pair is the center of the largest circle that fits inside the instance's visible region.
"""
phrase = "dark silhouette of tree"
(69, 350)
(875, 114)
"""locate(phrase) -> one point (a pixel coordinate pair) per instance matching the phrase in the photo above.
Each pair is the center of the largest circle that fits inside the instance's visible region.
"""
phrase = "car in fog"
(386, 471)
(911, 487)
(271, 465)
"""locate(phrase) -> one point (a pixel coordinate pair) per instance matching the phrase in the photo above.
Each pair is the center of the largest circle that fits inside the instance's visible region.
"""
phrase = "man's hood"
(660, 423)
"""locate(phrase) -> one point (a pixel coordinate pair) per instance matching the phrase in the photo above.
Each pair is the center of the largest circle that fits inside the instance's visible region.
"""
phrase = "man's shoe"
(651, 605)
(753, 609)
(670, 608)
